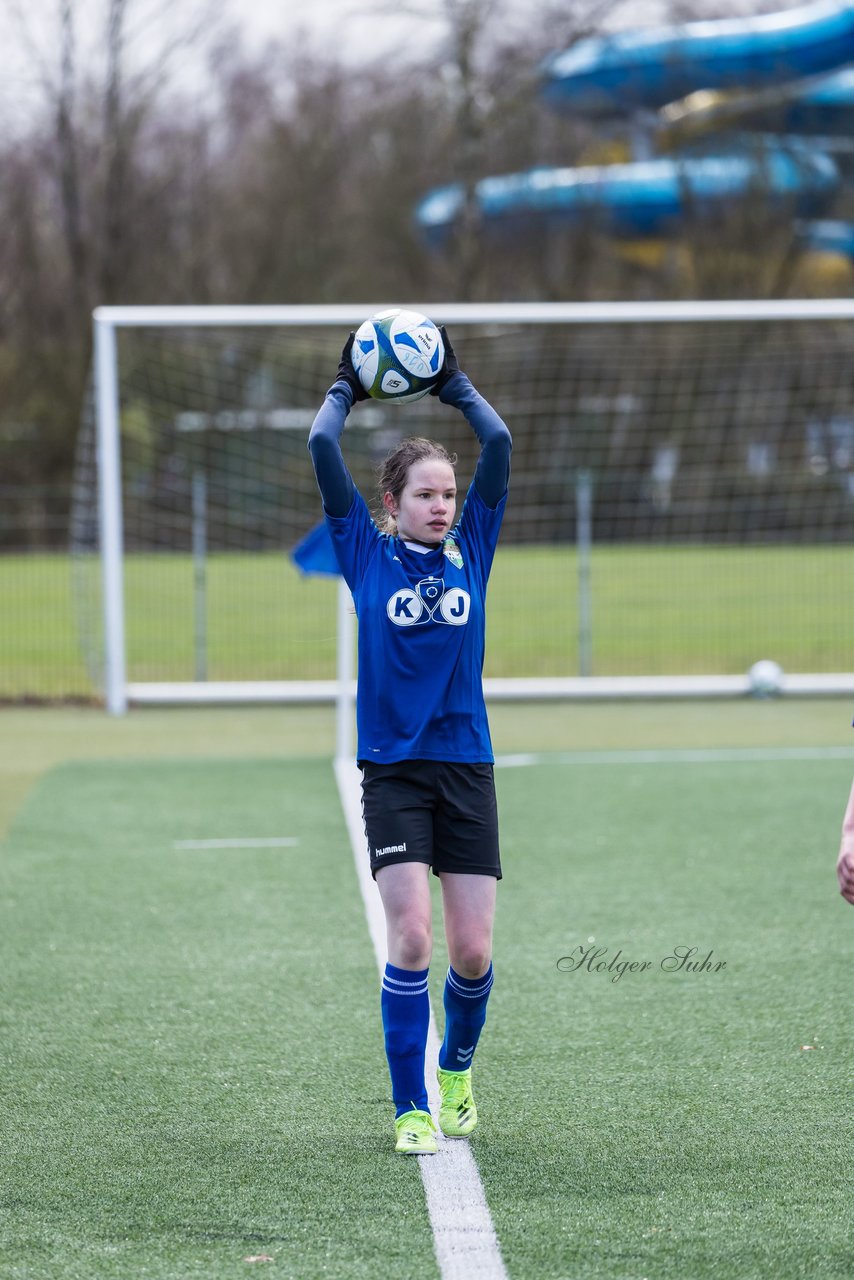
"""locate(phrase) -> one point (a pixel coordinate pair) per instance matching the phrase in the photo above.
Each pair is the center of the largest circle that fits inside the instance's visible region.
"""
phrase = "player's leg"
(469, 909)
(405, 891)
(399, 827)
(468, 903)
(466, 858)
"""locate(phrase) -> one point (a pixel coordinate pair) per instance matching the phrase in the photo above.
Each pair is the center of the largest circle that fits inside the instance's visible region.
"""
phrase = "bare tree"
(68, 160)
(118, 141)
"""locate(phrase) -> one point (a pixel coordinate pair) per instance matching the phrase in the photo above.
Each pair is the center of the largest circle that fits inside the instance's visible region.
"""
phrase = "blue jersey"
(421, 635)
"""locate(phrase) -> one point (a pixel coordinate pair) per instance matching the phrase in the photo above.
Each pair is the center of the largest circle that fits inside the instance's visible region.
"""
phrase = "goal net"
(682, 496)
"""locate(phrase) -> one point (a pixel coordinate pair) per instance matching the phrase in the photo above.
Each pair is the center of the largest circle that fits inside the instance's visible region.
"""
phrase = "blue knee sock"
(406, 1018)
(465, 1014)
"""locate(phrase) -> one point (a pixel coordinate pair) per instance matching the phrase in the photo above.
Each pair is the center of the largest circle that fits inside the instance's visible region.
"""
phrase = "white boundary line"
(463, 1232)
(690, 755)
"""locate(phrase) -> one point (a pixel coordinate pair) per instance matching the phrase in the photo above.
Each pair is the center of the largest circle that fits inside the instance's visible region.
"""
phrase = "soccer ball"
(765, 678)
(397, 355)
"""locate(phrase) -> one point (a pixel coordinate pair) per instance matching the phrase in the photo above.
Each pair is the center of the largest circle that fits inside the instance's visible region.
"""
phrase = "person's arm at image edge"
(845, 861)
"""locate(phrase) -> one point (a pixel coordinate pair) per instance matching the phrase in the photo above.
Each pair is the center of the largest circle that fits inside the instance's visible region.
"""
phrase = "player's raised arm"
(333, 478)
(845, 861)
(493, 468)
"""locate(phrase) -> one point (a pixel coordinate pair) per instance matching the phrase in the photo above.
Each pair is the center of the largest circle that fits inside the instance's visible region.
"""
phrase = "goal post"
(654, 443)
(110, 514)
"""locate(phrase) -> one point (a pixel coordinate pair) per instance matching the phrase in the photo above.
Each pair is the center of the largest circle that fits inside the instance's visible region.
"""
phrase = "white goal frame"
(119, 694)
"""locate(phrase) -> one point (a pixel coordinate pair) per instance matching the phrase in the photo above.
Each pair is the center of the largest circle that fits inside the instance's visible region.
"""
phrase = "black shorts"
(431, 811)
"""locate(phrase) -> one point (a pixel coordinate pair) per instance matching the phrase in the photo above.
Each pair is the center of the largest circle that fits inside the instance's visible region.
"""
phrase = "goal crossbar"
(482, 313)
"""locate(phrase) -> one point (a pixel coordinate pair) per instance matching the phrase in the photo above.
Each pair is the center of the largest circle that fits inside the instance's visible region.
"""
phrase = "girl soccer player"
(418, 582)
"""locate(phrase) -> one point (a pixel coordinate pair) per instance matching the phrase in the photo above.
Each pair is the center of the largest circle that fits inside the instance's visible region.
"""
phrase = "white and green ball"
(766, 678)
(398, 355)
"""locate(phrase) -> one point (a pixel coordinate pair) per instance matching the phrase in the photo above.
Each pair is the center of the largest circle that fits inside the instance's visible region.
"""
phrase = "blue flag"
(315, 554)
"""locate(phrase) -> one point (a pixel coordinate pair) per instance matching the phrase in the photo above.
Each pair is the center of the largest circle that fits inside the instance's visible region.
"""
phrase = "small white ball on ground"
(766, 678)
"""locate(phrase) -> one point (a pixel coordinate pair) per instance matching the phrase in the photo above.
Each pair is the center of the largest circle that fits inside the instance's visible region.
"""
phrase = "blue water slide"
(632, 70)
(647, 198)
(822, 107)
(828, 236)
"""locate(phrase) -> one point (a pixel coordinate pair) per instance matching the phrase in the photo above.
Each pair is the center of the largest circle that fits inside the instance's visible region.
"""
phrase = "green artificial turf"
(192, 1068)
(670, 1124)
(192, 1058)
(33, 739)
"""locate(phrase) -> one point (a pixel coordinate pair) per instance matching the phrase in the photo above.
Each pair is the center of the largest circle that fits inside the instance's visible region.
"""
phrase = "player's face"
(425, 510)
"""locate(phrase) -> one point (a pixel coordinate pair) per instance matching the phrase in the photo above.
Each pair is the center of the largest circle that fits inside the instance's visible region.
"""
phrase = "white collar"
(424, 551)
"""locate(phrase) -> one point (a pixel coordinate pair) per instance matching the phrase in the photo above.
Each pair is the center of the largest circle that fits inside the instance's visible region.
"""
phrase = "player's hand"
(845, 871)
(346, 372)
(450, 365)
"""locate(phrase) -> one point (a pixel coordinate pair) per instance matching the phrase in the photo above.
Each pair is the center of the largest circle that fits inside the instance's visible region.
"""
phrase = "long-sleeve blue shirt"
(421, 611)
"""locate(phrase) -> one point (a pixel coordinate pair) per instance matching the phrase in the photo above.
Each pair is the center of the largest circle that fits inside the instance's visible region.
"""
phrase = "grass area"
(39, 645)
(671, 1124)
(192, 1071)
(35, 739)
(656, 610)
(167, 1013)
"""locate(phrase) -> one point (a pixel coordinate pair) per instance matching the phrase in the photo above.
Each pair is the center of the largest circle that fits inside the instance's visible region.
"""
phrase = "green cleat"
(416, 1134)
(457, 1114)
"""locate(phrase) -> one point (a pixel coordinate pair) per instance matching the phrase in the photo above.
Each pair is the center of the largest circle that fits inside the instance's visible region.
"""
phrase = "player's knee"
(471, 959)
(413, 943)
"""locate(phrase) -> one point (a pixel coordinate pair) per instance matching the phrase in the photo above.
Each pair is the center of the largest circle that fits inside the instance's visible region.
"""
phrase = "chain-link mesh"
(719, 456)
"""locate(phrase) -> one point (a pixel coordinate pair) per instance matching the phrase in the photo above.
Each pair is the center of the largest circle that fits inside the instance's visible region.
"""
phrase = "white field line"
(463, 1232)
(701, 755)
(240, 842)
